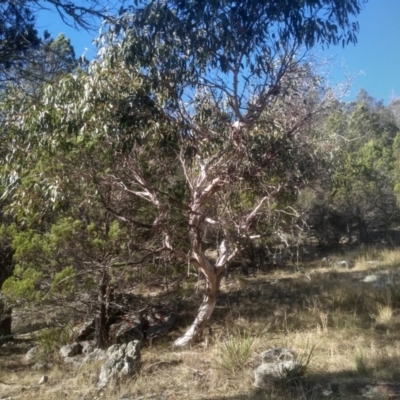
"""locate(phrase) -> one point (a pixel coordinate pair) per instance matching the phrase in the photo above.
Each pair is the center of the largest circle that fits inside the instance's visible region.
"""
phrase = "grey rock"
(84, 331)
(96, 355)
(123, 361)
(127, 329)
(42, 365)
(270, 372)
(276, 363)
(379, 281)
(43, 379)
(32, 353)
(371, 278)
(87, 346)
(344, 264)
(71, 350)
(277, 354)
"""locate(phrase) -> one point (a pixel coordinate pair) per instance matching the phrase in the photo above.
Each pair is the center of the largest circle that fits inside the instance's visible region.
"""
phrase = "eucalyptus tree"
(233, 79)
(208, 108)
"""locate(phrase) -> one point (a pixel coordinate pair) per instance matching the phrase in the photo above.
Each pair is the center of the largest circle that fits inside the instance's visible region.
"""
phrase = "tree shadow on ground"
(380, 380)
(262, 298)
(12, 355)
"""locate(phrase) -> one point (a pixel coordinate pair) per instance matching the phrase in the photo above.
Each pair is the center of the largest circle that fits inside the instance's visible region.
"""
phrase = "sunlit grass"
(384, 314)
(234, 352)
(378, 259)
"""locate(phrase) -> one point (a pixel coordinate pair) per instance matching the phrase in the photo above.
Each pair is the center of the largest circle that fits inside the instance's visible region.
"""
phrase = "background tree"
(358, 195)
(65, 236)
(46, 62)
(19, 38)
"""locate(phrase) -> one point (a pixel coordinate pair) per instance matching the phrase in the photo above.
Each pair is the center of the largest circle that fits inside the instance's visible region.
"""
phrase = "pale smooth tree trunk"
(213, 275)
(194, 333)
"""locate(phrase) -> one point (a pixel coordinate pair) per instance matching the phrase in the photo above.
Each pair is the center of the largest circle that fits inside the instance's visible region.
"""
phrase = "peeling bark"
(213, 275)
(194, 333)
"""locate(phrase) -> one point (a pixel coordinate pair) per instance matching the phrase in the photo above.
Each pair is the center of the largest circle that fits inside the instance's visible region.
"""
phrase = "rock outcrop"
(276, 364)
(123, 362)
(71, 350)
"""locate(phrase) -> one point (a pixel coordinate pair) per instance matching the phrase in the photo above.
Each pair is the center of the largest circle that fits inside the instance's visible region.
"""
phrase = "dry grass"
(351, 325)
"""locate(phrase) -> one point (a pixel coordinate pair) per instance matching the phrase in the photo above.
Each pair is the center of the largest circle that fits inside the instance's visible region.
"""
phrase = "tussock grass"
(235, 351)
(52, 339)
(384, 314)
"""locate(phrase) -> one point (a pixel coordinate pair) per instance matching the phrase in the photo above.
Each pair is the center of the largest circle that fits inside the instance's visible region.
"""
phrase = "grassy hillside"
(341, 319)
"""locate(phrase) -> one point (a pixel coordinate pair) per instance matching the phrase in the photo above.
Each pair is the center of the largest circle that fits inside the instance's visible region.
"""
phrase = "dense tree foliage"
(359, 195)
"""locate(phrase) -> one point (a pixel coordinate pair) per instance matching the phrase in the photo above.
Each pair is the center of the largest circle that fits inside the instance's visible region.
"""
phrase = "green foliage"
(66, 278)
(28, 244)
(177, 38)
(23, 284)
(358, 194)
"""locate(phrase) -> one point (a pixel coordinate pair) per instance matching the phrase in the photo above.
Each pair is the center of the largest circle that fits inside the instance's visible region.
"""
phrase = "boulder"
(70, 350)
(123, 362)
(269, 372)
(75, 361)
(127, 329)
(87, 346)
(276, 364)
(96, 355)
(84, 331)
(32, 353)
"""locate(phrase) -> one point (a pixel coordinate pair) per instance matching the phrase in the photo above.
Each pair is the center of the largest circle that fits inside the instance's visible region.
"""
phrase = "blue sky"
(374, 60)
